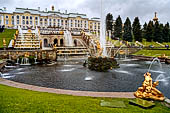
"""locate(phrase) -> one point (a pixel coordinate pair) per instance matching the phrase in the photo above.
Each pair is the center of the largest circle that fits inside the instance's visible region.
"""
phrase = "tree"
(109, 22)
(127, 35)
(166, 33)
(149, 31)
(144, 30)
(136, 28)
(118, 27)
(158, 35)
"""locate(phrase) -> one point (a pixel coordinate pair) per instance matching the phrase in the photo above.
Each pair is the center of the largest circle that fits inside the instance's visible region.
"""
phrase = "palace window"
(12, 17)
(23, 17)
(31, 22)
(41, 19)
(17, 21)
(30, 17)
(36, 18)
(45, 20)
(12, 22)
(36, 23)
(26, 17)
(23, 22)
(17, 16)
(53, 20)
(50, 20)
(7, 22)
(6, 16)
(27, 22)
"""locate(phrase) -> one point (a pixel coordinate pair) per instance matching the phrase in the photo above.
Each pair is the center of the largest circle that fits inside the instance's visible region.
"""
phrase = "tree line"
(151, 31)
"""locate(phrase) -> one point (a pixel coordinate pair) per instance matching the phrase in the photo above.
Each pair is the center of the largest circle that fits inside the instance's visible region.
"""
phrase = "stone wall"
(41, 55)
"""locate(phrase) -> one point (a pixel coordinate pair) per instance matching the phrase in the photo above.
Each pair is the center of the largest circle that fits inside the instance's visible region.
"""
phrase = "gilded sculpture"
(148, 90)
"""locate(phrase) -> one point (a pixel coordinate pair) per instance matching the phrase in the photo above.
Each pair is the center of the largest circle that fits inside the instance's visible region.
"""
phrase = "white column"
(63, 23)
(60, 23)
(69, 24)
(15, 21)
(87, 24)
(48, 23)
(52, 22)
(2, 19)
(38, 21)
(21, 21)
(33, 21)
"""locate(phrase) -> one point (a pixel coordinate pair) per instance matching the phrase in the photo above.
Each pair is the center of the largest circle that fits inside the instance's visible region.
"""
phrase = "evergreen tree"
(166, 33)
(127, 35)
(137, 32)
(109, 22)
(149, 31)
(118, 27)
(144, 30)
(158, 35)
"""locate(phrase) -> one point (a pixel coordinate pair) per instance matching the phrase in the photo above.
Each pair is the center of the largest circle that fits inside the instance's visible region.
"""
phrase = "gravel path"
(67, 92)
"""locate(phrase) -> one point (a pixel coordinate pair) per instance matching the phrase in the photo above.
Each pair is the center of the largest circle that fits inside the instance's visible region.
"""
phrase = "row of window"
(27, 23)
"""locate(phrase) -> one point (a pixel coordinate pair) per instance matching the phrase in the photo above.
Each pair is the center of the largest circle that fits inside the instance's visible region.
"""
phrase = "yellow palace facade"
(32, 18)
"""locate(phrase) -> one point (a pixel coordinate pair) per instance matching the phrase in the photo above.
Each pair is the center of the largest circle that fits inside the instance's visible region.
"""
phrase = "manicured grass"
(13, 100)
(8, 34)
(153, 52)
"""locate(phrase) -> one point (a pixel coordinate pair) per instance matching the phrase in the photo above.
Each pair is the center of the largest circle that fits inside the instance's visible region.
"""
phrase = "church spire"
(155, 18)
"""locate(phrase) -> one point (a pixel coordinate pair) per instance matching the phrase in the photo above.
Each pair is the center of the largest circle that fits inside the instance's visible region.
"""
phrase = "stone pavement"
(67, 92)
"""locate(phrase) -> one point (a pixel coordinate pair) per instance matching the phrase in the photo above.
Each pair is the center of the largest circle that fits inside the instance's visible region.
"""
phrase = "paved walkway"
(67, 92)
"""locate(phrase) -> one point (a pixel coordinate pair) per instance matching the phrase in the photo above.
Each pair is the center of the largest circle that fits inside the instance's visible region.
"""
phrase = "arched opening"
(55, 42)
(75, 43)
(45, 43)
(61, 42)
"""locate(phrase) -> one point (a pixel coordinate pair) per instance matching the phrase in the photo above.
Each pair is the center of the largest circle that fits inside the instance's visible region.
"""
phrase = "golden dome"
(52, 8)
(155, 18)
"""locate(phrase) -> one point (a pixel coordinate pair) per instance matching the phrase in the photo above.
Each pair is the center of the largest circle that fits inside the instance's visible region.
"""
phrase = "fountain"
(1, 75)
(21, 32)
(17, 61)
(155, 59)
(25, 60)
(68, 38)
(102, 62)
(35, 59)
(148, 90)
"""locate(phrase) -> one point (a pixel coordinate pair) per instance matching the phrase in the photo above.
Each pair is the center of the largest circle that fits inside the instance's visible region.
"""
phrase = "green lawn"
(13, 100)
(153, 52)
(8, 35)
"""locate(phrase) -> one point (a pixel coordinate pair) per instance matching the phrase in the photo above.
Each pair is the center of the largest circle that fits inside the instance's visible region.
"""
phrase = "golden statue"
(4, 42)
(148, 90)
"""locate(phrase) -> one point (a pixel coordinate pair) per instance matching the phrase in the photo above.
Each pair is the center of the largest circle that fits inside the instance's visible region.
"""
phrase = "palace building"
(32, 18)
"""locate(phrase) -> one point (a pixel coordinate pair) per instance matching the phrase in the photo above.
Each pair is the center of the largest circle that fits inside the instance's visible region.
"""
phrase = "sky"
(144, 9)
